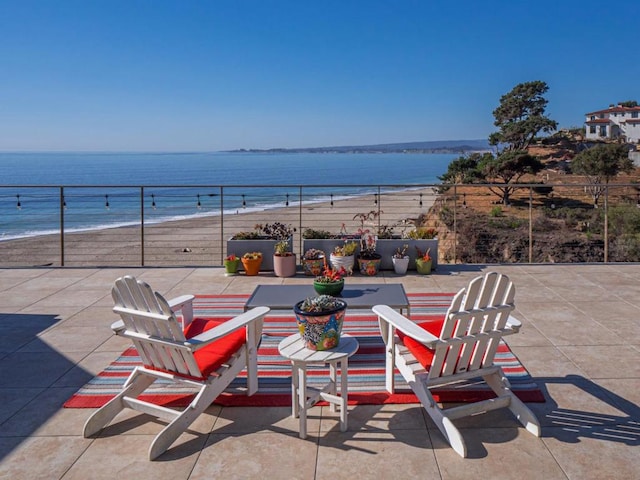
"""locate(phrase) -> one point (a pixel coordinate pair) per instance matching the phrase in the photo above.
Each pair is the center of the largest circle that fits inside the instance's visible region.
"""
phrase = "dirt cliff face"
(565, 226)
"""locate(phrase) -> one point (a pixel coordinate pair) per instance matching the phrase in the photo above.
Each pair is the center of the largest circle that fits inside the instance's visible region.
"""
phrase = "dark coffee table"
(358, 296)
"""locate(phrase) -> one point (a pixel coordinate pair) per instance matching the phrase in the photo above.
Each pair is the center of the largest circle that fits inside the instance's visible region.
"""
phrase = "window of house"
(592, 129)
(634, 114)
(593, 117)
(603, 130)
(602, 115)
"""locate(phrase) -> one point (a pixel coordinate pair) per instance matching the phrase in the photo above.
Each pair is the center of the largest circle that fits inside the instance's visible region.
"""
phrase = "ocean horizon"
(104, 190)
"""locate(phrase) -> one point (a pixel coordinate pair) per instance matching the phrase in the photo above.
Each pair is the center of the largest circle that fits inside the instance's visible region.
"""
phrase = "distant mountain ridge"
(439, 146)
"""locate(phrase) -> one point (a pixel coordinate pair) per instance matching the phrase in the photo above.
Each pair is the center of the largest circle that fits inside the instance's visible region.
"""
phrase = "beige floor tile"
(14, 399)
(257, 455)
(126, 456)
(240, 420)
(613, 361)
(546, 361)
(376, 455)
(496, 453)
(40, 457)
(376, 418)
(596, 453)
(69, 339)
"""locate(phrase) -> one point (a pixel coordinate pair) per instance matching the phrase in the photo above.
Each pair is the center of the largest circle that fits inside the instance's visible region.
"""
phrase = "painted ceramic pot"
(320, 330)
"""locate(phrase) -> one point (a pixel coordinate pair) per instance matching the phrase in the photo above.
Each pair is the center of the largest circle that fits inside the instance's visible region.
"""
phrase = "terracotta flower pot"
(252, 265)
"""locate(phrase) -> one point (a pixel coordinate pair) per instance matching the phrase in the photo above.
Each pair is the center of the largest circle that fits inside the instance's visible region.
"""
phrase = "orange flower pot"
(251, 266)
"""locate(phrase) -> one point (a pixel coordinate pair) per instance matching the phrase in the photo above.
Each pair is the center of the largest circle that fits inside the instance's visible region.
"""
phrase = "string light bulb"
(244, 202)
(420, 199)
(18, 204)
(199, 204)
(106, 202)
(287, 202)
(332, 199)
(375, 198)
(153, 201)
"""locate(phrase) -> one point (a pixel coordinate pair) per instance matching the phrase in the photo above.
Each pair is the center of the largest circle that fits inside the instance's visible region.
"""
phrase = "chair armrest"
(227, 327)
(405, 325)
(513, 325)
(183, 303)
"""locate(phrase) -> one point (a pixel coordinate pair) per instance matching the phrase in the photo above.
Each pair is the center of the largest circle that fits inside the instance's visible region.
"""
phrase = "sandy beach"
(202, 241)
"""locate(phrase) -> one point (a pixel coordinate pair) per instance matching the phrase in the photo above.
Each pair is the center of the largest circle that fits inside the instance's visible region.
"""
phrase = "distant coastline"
(443, 146)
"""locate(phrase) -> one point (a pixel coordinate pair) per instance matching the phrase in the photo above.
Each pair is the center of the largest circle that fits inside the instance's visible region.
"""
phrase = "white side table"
(303, 397)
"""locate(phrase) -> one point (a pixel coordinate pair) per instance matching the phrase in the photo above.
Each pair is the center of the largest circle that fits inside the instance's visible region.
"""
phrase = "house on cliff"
(616, 122)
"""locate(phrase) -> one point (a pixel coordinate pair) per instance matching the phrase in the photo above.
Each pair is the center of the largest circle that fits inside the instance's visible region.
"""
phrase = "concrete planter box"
(387, 247)
(325, 244)
(264, 245)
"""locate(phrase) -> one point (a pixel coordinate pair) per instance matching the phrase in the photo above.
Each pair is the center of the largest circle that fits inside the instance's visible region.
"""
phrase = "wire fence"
(171, 225)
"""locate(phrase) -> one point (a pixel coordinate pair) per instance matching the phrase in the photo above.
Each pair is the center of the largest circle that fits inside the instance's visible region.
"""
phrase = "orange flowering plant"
(232, 258)
(330, 275)
(424, 256)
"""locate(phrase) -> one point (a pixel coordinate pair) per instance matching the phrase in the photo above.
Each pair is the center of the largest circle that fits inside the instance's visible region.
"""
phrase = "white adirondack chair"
(463, 346)
(204, 353)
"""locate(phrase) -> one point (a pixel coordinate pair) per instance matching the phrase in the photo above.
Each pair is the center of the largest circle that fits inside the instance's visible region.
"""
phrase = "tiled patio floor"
(580, 340)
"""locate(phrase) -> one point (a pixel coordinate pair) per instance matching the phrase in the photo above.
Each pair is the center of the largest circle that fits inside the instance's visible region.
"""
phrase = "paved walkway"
(580, 340)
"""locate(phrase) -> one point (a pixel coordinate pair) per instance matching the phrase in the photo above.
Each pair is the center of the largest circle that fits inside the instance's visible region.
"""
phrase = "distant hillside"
(442, 146)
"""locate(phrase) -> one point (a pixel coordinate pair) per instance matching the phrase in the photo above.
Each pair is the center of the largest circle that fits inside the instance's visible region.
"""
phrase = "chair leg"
(137, 383)
(444, 424)
(500, 385)
(173, 430)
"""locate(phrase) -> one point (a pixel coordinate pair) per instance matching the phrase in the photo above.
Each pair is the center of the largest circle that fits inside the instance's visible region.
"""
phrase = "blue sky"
(154, 75)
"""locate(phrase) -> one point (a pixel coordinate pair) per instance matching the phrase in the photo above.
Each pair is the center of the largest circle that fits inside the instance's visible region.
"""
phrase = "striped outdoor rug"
(366, 367)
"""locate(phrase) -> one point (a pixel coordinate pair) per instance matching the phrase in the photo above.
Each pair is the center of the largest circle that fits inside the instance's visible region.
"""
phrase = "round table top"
(293, 349)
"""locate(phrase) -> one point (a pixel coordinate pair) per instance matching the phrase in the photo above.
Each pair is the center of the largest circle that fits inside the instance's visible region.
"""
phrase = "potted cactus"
(400, 260)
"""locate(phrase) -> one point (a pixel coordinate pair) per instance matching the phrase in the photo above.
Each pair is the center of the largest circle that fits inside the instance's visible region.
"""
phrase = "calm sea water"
(103, 190)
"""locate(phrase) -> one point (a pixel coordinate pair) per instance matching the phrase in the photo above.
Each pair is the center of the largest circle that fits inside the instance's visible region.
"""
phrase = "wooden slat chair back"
(462, 346)
(208, 360)
(153, 327)
(474, 323)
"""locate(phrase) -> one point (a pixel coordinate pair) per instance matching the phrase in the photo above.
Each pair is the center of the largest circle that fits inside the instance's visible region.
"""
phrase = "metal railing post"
(142, 226)
(606, 223)
(62, 226)
(530, 224)
(221, 225)
(300, 222)
(455, 225)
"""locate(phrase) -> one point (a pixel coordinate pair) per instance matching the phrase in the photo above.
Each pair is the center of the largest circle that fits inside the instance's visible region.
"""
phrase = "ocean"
(102, 190)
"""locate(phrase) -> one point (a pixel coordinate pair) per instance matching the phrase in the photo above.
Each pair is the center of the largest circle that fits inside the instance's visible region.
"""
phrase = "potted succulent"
(251, 262)
(313, 262)
(231, 264)
(263, 238)
(284, 260)
(400, 260)
(320, 321)
(423, 261)
(343, 256)
(368, 259)
(331, 282)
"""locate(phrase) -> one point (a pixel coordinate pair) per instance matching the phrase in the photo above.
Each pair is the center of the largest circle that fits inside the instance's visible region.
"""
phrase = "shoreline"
(202, 240)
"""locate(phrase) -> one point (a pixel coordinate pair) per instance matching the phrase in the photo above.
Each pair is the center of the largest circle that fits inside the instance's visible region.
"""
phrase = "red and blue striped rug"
(366, 367)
